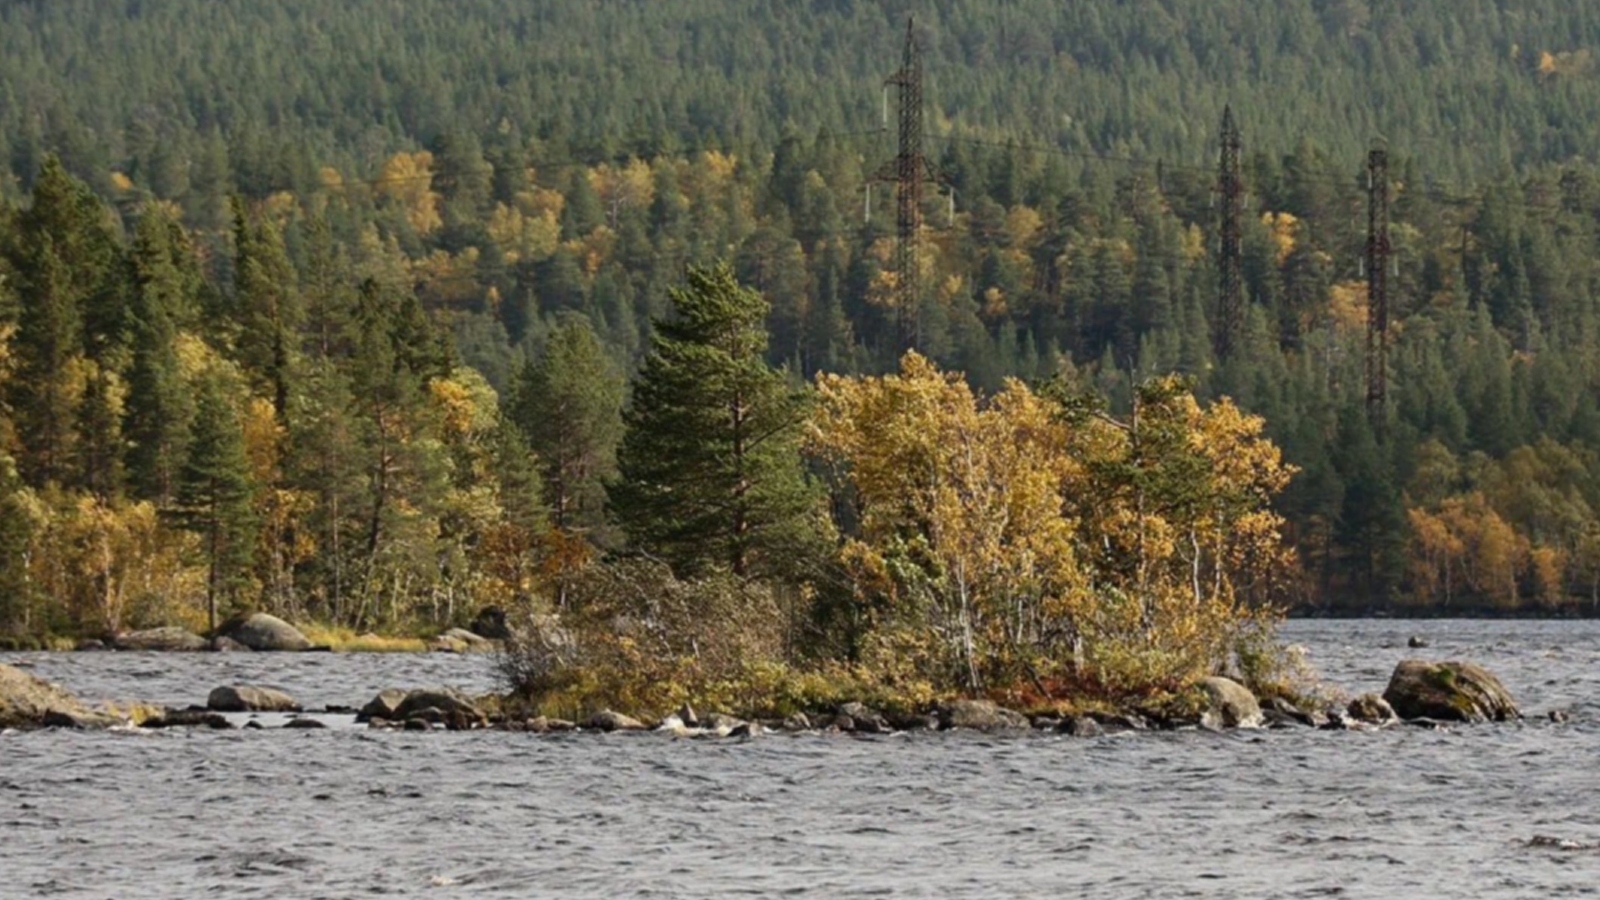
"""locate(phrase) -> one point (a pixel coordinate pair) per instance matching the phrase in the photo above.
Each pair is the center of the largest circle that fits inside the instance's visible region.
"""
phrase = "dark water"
(1490, 811)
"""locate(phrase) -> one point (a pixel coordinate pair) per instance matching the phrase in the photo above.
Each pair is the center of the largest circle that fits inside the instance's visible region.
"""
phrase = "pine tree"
(325, 462)
(710, 467)
(214, 495)
(568, 403)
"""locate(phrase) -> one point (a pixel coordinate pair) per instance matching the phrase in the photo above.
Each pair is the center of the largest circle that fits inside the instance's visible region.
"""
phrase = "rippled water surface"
(1490, 811)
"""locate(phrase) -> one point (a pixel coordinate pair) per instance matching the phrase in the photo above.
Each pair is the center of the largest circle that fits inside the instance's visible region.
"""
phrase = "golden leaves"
(407, 179)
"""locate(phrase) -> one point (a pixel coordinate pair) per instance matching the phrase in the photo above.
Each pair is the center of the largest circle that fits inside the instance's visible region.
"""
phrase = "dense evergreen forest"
(340, 310)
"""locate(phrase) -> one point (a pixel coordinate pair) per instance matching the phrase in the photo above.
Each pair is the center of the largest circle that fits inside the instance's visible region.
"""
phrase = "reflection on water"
(1492, 811)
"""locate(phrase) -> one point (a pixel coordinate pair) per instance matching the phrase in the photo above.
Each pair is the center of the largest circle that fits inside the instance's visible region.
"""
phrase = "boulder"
(674, 726)
(1448, 691)
(455, 709)
(1371, 709)
(1279, 710)
(720, 724)
(305, 723)
(248, 698)
(1116, 723)
(1080, 726)
(979, 715)
(1233, 703)
(89, 719)
(797, 722)
(460, 640)
(382, 706)
(748, 730)
(228, 645)
(30, 702)
(260, 631)
(913, 721)
(861, 718)
(1416, 642)
(607, 720)
(688, 716)
(168, 639)
(545, 725)
(90, 646)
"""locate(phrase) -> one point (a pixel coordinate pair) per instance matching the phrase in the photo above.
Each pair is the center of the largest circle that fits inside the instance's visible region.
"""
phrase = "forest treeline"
(320, 341)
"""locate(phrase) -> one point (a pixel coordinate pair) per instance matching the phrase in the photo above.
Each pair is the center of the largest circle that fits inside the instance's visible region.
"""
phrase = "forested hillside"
(332, 309)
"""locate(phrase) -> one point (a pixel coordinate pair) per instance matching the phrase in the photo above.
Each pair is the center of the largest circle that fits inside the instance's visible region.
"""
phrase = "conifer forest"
(379, 314)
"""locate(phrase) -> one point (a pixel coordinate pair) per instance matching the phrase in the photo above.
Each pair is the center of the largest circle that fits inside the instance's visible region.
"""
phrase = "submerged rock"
(304, 723)
(1371, 709)
(979, 715)
(27, 701)
(1416, 643)
(248, 698)
(1232, 702)
(188, 718)
(1449, 691)
(168, 639)
(260, 631)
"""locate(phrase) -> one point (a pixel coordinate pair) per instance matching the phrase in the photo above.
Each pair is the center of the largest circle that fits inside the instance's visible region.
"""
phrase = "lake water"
(1485, 811)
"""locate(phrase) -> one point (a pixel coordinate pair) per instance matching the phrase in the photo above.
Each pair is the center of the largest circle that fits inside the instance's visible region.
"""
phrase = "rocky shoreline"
(1419, 694)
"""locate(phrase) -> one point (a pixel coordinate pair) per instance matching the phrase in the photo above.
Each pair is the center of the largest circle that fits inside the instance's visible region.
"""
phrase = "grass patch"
(346, 640)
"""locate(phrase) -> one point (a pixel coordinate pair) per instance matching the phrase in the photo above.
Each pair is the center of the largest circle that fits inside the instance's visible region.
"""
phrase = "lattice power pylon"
(1229, 318)
(1379, 251)
(909, 171)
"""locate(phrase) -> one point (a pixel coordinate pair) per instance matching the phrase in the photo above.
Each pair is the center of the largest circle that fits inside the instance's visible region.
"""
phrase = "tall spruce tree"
(710, 467)
(214, 495)
(159, 406)
(270, 313)
(568, 403)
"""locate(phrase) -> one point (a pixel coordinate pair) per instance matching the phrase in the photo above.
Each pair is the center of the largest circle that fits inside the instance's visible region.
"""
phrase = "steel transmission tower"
(1230, 253)
(1377, 264)
(910, 170)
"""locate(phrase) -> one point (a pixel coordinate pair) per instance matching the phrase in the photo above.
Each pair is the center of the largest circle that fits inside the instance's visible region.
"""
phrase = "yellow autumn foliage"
(407, 179)
(1008, 541)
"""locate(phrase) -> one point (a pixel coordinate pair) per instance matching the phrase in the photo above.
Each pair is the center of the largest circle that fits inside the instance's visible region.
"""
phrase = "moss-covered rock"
(1450, 691)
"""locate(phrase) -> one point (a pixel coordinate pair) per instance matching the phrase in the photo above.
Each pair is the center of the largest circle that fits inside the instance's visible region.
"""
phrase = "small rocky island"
(1420, 693)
